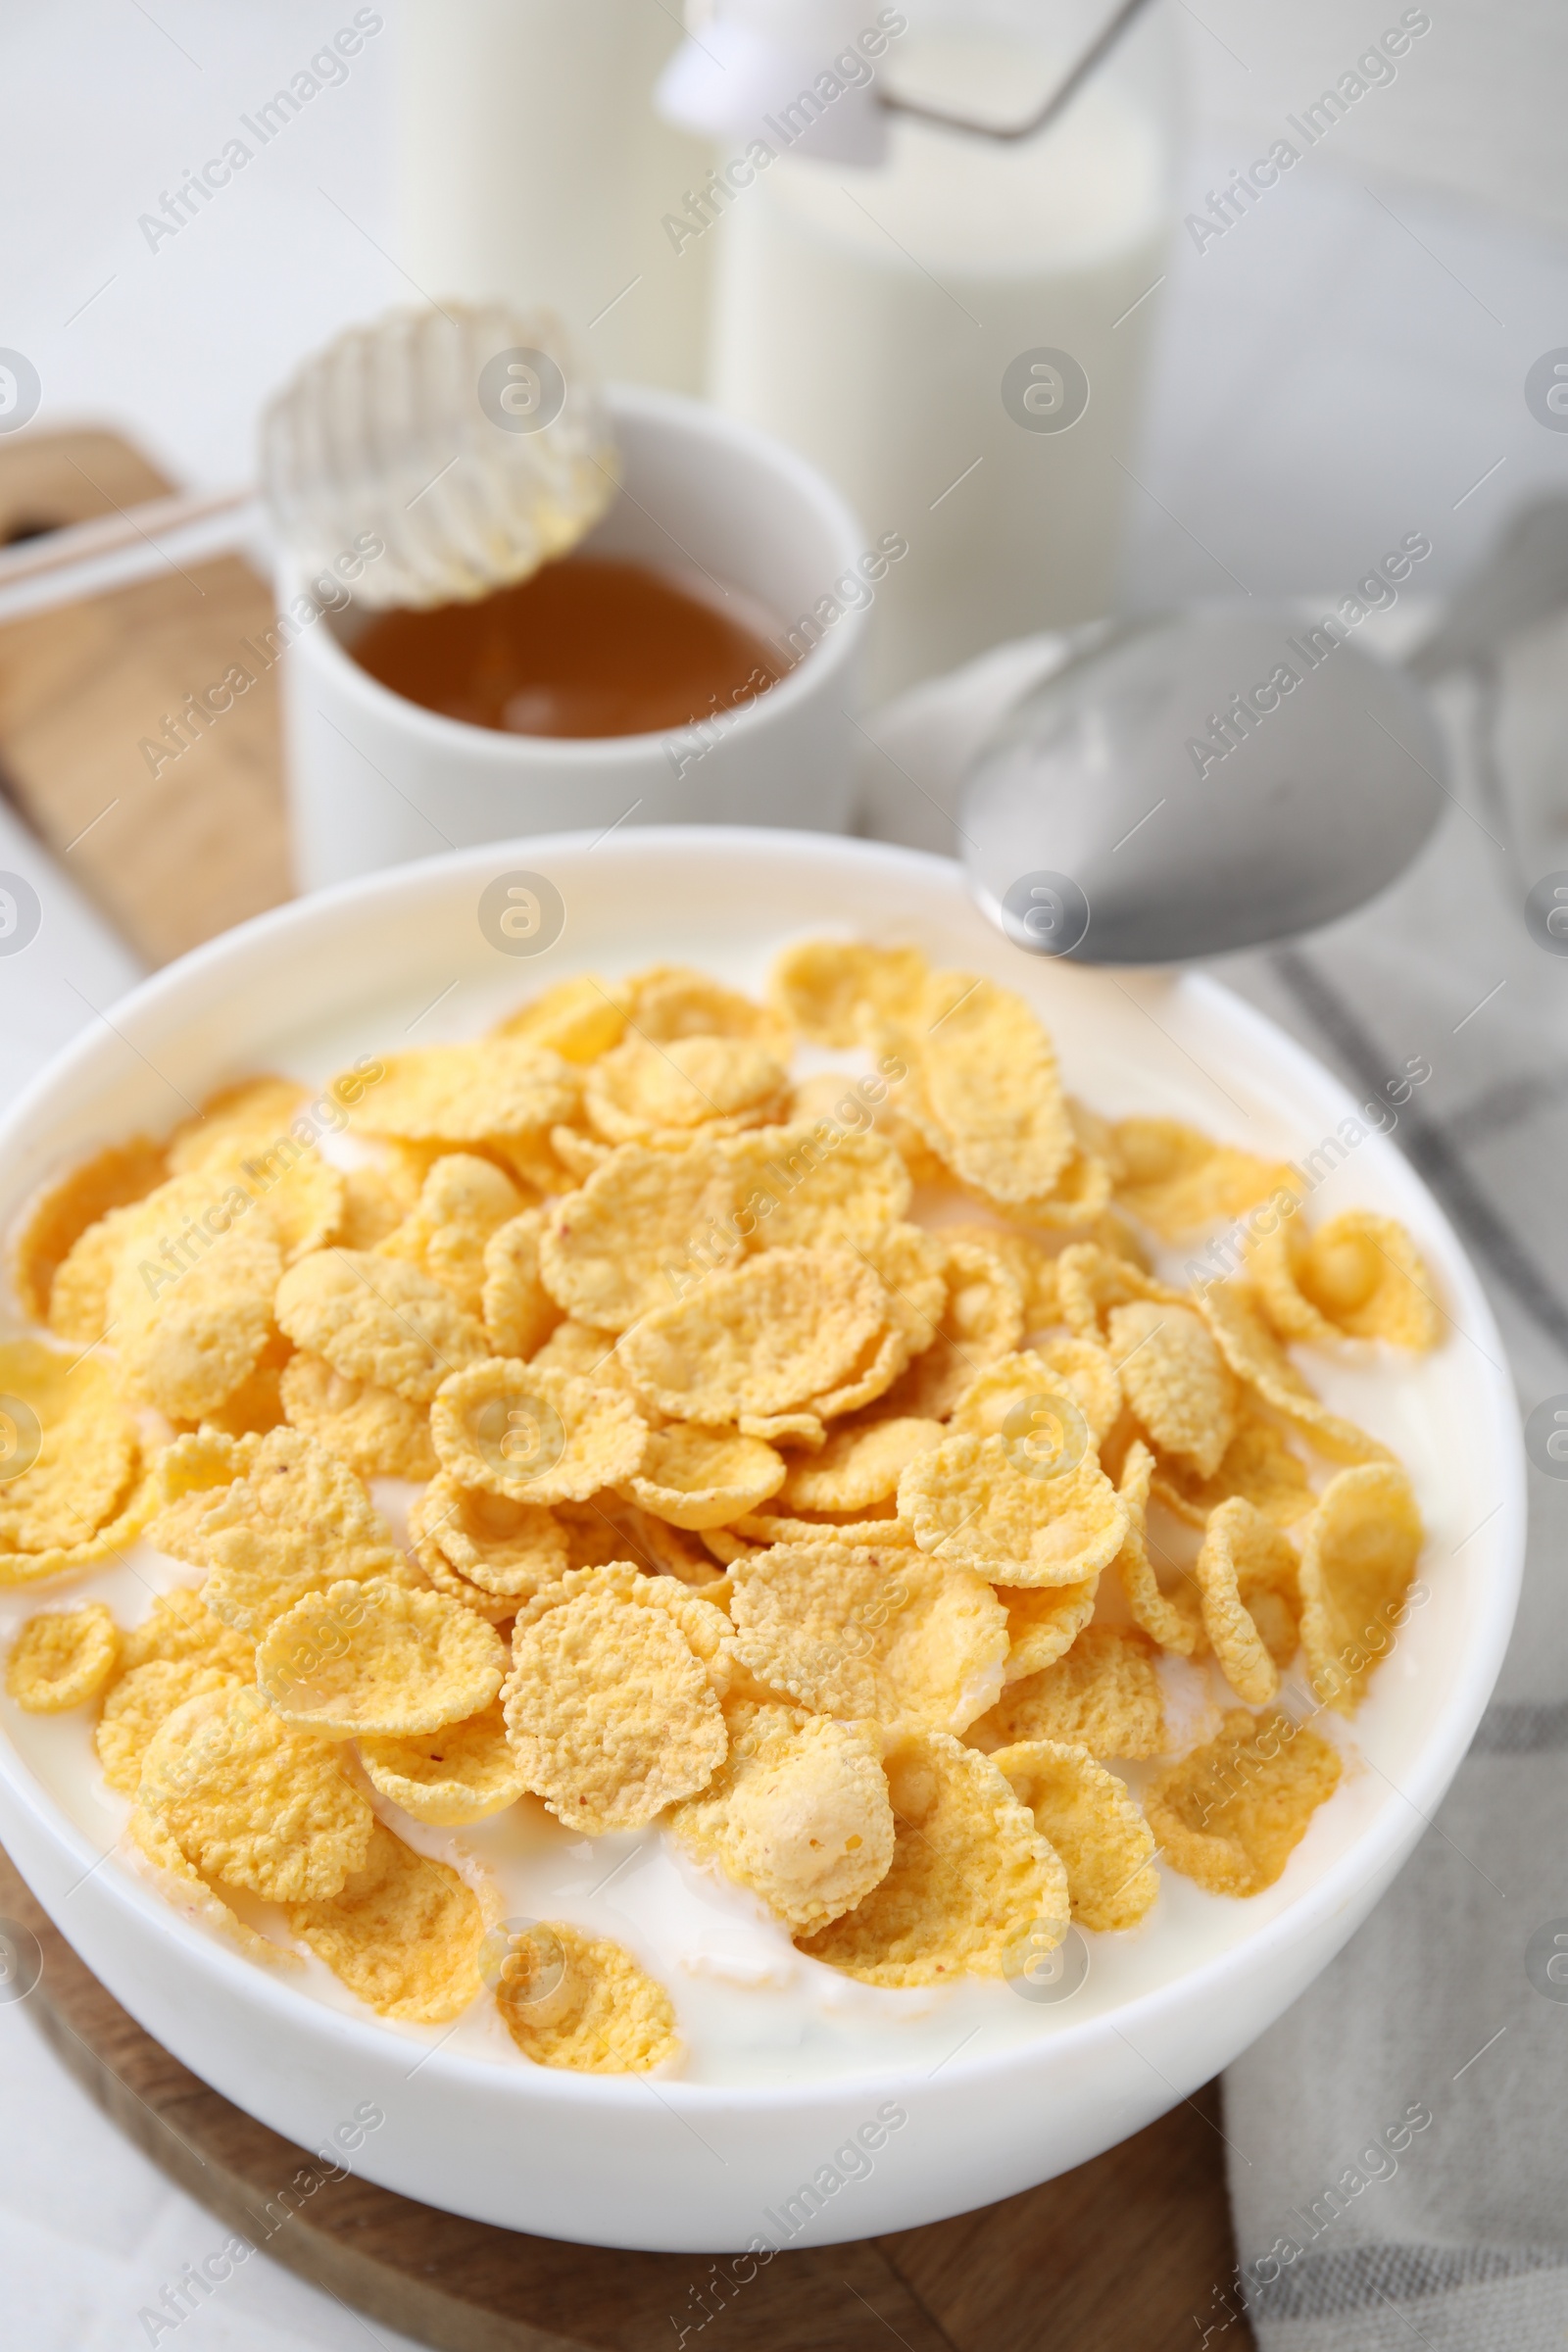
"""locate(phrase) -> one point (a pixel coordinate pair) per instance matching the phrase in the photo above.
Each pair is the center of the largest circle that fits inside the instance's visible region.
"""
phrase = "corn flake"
(298, 1521)
(761, 1340)
(402, 1933)
(619, 1246)
(376, 1657)
(58, 1217)
(1257, 1464)
(63, 1659)
(798, 1813)
(639, 1092)
(1259, 1360)
(860, 1464)
(535, 1436)
(1180, 1390)
(1174, 1619)
(698, 1478)
(1231, 1813)
(141, 1703)
(460, 1774)
(249, 1800)
(817, 1186)
(1359, 1557)
(375, 1431)
(1042, 1623)
(1103, 1695)
(1178, 1180)
(1247, 1575)
(1087, 1817)
(970, 1875)
(582, 2003)
(378, 1321)
(670, 1001)
(507, 1549)
(502, 1089)
(579, 1019)
(833, 991)
(462, 1202)
(970, 1505)
(1359, 1277)
(519, 1314)
(611, 1716)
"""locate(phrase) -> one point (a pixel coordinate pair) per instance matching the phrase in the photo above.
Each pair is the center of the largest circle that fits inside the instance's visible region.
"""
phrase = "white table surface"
(1348, 365)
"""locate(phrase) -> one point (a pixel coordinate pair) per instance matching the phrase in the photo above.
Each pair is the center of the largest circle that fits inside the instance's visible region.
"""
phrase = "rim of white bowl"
(1443, 1747)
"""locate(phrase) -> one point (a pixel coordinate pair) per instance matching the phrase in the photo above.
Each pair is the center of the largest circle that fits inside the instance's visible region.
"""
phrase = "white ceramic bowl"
(701, 2165)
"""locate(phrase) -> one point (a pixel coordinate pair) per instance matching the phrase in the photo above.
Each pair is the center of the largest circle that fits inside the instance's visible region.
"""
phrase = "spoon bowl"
(1185, 785)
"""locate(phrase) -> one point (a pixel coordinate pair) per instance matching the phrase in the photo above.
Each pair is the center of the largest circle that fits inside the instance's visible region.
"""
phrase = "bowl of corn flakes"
(751, 1567)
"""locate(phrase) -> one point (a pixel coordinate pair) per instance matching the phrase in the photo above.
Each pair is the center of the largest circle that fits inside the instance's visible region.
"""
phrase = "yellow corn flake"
(68, 1445)
(611, 1716)
(1258, 1359)
(1032, 1267)
(622, 1244)
(180, 1627)
(667, 1551)
(230, 1120)
(142, 1702)
(190, 1302)
(832, 1527)
(186, 1481)
(519, 1314)
(256, 1404)
(698, 1478)
(762, 1340)
(1360, 1277)
(579, 1018)
(912, 1265)
(298, 1521)
(804, 1188)
(189, 1894)
(63, 1659)
(579, 1154)
(1359, 1557)
(705, 1626)
(1078, 1203)
(581, 2003)
(508, 1548)
(376, 1657)
(462, 1202)
(376, 1201)
(1180, 1390)
(460, 1774)
(1179, 1180)
(402, 1933)
(1086, 1815)
(79, 1295)
(302, 1197)
(1174, 1619)
(1022, 1398)
(879, 1365)
(583, 1353)
(1231, 1814)
(871, 1630)
(1247, 1575)
(1092, 1281)
(970, 1506)
(989, 1079)
(670, 1001)
(970, 1876)
(376, 1431)
(58, 1216)
(439, 1575)
(639, 1092)
(861, 1464)
(798, 1814)
(249, 1800)
(1257, 1464)
(834, 990)
(378, 1321)
(474, 1094)
(1043, 1623)
(981, 1324)
(535, 1436)
(1103, 1695)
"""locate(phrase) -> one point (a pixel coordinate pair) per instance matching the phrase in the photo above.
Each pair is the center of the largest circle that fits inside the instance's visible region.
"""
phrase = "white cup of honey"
(694, 660)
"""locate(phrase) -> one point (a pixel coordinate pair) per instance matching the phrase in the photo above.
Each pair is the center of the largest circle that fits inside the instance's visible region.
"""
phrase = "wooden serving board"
(1123, 2255)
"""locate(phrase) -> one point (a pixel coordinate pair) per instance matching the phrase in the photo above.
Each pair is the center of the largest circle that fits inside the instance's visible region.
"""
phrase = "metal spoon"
(1182, 786)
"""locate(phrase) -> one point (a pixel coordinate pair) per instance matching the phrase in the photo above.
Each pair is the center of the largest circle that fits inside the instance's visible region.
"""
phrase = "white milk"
(868, 317)
(531, 167)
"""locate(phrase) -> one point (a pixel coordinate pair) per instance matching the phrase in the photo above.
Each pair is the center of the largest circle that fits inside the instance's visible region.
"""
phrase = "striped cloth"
(1450, 2231)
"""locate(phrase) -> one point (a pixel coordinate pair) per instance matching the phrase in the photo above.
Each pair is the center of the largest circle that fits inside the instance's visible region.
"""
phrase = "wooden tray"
(1123, 2255)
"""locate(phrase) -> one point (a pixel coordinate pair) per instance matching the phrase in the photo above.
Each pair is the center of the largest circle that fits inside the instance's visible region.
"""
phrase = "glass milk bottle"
(532, 170)
(958, 335)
